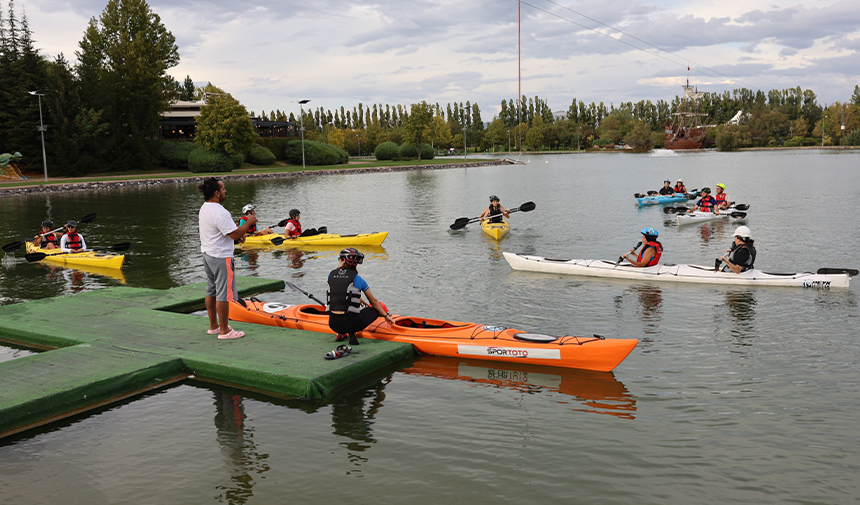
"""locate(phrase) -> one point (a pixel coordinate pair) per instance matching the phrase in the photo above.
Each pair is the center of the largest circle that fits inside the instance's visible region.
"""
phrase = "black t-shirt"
(667, 191)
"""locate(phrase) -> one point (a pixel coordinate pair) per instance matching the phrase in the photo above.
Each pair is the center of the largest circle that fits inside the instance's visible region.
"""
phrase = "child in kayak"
(651, 251)
(345, 287)
(495, 211)
(72, 241)
(293, 228)
(707, 203)
(723, 201)
(680, 188)
(46, 239)
(667, 189)
(252, 230)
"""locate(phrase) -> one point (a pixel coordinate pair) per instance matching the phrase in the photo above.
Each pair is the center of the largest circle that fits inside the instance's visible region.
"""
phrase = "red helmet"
(351, 257)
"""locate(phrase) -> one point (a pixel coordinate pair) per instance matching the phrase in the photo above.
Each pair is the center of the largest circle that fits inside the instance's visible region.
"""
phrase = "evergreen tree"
(187, 89)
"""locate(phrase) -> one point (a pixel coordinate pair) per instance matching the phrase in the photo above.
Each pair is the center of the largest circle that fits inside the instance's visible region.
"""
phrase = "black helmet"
(294, 213)
(493, 198)
(351, 256)
(47, 223)
(706, 190)
(72, 224)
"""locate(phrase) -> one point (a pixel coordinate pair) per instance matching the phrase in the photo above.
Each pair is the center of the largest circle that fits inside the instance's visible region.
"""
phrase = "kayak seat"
(410, 323)
(552, 259)
(313, 310)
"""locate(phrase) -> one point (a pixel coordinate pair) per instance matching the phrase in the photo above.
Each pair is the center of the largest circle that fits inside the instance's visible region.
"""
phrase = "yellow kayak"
(321, 239)
(86, 258)
(496, 230)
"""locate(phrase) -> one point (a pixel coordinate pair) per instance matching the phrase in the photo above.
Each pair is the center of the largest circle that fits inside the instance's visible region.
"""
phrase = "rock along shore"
(233, 176)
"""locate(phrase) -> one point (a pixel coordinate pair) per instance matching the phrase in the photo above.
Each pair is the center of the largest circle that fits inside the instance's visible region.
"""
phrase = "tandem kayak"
(495, 230)
(704, 217)
(660, 199)
(84, 259)
(824, 278)
(453, 338)
(360, 239)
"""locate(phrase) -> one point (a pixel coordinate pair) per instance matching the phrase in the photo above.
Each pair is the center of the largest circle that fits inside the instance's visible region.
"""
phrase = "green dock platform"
(110, 344)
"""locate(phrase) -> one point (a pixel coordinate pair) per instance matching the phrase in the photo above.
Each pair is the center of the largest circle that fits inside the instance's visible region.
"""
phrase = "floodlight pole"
(40, 93)
(302, 128)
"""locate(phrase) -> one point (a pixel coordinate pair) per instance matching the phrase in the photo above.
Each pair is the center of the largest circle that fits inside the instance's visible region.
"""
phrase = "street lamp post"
(509, 141)
(40, 93)
(302, 128)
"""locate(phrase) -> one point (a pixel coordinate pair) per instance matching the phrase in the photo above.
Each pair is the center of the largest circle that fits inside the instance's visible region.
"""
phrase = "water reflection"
(649, 306)
(596, 392)
(353, 416)
(240, 455)
(741, 309)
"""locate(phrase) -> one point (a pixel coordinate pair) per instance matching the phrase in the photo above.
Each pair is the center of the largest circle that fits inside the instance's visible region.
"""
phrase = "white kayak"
(824, 278)
(703, 217)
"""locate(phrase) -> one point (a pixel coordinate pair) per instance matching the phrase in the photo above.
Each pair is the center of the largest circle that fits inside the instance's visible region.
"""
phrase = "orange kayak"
(453, 338)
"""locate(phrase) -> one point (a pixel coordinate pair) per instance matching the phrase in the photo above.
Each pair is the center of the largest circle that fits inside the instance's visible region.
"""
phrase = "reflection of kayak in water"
(454, 338)
(598, 392)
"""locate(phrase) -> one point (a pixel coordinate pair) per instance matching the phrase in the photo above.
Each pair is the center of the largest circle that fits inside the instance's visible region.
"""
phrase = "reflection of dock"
(123, 341)
(598, 392)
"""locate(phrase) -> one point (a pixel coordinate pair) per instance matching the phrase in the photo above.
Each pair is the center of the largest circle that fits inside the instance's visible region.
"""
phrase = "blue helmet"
(649, 231)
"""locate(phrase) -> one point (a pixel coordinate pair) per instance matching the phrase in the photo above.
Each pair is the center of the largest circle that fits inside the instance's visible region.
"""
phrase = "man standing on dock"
(217, 235)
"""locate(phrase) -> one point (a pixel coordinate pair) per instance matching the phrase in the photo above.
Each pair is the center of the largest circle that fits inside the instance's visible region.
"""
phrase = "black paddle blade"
(280, 223)
(670, 210)
(527, 207)
(12, 246)
(738, 215)
(742, 206)
(638, 195)
(322, 230)
(278, 240)
(89, 218)
(717, 264)
(459, 225)
(37, 256)
(122, 246)
(836, 271)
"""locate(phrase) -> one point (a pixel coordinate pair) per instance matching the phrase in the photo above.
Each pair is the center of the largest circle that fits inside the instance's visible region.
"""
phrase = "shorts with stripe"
(220, 278)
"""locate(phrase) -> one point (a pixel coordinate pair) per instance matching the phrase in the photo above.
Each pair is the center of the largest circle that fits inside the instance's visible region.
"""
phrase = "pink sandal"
(217, 331)
(233, 334)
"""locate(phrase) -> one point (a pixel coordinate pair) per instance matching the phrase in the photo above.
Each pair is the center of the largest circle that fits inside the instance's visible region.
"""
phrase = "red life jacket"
(720, 197)
(48, 239)
(298, 230)
(74, 240)
(658, 251)
(252, 228)
(681, 189)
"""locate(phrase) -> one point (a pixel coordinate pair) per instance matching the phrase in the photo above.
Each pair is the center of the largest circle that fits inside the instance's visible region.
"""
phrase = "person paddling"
(707, 203)
(741, 256)
(667, 188)
(47, 239)
(651, 250)
(72, 241)
(293, 228)
(249, 210)
(495, 211)
(680, 188)
(343, 297)
(723, 201)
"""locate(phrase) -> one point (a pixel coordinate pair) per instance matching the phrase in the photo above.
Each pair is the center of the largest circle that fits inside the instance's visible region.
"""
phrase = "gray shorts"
(221, 281)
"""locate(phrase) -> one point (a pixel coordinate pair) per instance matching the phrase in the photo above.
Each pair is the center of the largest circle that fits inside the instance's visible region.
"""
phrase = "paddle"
(14, 246)
(717, 264)
(621, 258)
(296, 288)
(39, 256)
(322, 230)
(461, 223)
(836, 271)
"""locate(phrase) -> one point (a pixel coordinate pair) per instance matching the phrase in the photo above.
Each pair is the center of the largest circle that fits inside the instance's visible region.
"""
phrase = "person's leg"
(211, 311)
(209, 299)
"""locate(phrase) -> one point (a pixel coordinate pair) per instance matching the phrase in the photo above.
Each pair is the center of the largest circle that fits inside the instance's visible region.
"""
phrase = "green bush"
(427, 152)
(259, 155)
(791, 143)
(238, 159)
(852, 138)
(278, 146)
(387, 151)
(407, 151)
(172, 154)
(603, 142)
(204, 161)
(316, 153)
(772, 143)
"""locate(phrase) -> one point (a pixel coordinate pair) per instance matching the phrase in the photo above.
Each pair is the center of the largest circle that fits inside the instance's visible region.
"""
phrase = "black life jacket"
(658, 251)
(48, 239)
(298, 230)
(74, 240)
(342, 295)
(749, 263)
(252, 228)
(496, 211)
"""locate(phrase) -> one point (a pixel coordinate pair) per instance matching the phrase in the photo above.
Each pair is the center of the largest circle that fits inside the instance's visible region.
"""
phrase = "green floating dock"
(110, 344)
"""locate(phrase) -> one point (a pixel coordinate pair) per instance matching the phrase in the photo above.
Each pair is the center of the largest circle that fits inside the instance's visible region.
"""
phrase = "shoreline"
(11, 191)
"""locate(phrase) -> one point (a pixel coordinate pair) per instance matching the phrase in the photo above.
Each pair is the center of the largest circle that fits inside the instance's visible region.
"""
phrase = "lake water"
(733, 395)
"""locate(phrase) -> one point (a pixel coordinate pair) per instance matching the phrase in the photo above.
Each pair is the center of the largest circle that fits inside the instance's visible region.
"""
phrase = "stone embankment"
(233, 176)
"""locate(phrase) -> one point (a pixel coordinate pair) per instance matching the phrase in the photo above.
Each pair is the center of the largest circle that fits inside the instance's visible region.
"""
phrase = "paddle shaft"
(14, 246)
(463, 221)
(300, 290)
(621, 258)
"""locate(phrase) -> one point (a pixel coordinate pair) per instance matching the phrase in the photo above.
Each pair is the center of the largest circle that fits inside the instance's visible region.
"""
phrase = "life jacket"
(720, 197)
(342, 295)
(748, 264)
(251, 229)
(496, 211)
(74, 240)
(298, 230)
(48, 239)
(658, 251)
(706, 204)
(681, 189)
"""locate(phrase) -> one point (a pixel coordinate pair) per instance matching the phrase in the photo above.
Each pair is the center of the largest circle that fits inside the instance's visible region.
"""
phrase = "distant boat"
(686, 131)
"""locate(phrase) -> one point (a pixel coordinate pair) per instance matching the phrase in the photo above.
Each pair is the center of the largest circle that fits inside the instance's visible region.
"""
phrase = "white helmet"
(743, 232)
(248, 208)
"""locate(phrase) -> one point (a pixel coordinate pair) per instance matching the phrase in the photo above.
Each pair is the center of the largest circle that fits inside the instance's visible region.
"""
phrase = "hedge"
(277, 146)
(316, 153)
(203, 161)
(172, 154)
(260, 155)
(387, 151)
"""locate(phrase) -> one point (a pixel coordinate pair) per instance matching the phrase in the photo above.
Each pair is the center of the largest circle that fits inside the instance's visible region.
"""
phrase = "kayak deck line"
(124, 341)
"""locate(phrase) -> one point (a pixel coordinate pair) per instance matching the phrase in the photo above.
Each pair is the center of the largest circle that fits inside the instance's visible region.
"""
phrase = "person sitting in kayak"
(667, 188)
(651, 251)
(343, 298)
(46, 239)
(495, 211)
(72, 241)
(707, 203)
(741, 256)
(723, 201)
(294, 226)
(680, 188)
(249, 210)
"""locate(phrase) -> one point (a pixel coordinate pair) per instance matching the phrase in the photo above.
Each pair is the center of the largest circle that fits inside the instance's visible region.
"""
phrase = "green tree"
(188, 89)
(441, 133)
(224, 126)
(123, 62)
(417, 127)
(855, 98)
(639, 137)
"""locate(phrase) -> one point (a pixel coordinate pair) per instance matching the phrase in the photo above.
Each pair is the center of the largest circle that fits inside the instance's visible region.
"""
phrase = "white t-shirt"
(216, 225)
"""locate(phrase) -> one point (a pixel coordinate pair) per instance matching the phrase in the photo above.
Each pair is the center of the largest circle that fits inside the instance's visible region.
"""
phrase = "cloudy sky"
(339, 52)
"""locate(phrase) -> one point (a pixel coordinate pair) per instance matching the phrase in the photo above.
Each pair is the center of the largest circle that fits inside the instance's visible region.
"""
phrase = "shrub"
(407, 151)
(316, 153)
(853, 138)
(259, 155)
(174, 154)
(204, 161)
(427, 152)
(791, 143)
(278, 146)
(387, 151)
(603, 142)
(772, 143)
(728, 139)
(238, 159)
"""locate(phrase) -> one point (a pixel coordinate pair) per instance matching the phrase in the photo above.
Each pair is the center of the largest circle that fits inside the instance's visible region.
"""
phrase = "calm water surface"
(734, 394)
